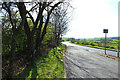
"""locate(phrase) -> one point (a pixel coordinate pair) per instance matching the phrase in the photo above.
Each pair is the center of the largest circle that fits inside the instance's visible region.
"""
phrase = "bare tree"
(60, 20)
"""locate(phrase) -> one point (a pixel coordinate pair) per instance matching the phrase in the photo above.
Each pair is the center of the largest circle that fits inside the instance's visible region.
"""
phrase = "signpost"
(118, 46)
(105, 31)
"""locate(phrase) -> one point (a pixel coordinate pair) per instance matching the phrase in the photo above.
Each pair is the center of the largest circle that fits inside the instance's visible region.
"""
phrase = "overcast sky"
(92, 16)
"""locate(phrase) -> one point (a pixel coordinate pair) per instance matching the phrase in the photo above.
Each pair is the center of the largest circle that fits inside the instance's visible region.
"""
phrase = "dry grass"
(111, 56)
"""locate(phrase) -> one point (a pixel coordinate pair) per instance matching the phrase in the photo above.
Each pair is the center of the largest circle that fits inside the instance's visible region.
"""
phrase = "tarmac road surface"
(84, 63)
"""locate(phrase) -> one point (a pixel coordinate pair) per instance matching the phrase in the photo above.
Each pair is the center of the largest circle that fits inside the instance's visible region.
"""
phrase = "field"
(111, 43)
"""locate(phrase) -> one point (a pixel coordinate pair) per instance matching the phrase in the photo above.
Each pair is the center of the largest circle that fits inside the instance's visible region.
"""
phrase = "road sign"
(105, 30)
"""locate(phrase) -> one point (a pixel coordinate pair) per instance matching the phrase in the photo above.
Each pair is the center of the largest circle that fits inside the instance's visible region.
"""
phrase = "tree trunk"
(30, 49)
(37, 47)
(12, 56)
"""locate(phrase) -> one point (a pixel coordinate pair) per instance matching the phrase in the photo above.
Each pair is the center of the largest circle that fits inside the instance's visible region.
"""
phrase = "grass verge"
(50, 66)
(96, 47)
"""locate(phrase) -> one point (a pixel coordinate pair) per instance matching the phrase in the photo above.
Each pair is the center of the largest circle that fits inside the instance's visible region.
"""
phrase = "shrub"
(78, 42)
(92, 44)
(112, 47)
(73, 41)
(107, 46)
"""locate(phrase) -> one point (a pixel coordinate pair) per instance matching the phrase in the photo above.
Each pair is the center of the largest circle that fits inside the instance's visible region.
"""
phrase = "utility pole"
(118, 46)
(105, 31)
(105, 42)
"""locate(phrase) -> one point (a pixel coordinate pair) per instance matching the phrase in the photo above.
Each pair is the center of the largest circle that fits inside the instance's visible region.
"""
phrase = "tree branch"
(47, 20)
(33, 7)
(39, 16)
(23, 11)
(9, 12)
(31, 17)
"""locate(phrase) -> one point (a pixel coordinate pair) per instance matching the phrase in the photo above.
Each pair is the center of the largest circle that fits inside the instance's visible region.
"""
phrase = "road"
(84, 63)
(102, 51)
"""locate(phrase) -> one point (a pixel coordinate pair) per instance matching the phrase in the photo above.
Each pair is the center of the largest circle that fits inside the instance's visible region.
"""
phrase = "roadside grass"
(50, 66)
(95, 46)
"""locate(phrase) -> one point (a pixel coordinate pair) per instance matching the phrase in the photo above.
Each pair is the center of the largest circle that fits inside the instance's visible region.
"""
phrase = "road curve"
(84, 63)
